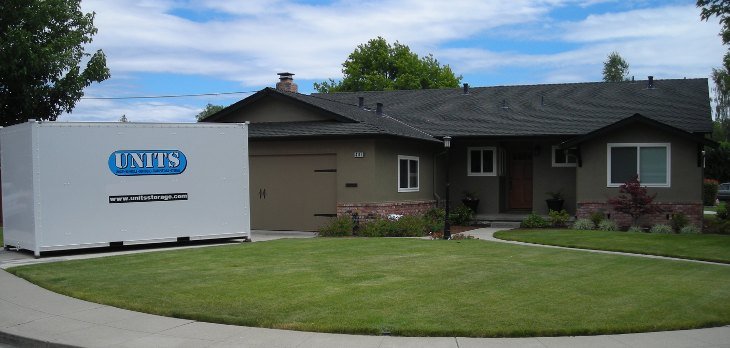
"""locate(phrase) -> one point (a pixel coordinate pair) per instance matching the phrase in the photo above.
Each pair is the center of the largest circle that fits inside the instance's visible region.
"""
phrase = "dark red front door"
(520, 180)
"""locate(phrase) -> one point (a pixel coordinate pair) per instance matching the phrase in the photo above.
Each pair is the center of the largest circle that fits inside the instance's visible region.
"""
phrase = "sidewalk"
(32, 316)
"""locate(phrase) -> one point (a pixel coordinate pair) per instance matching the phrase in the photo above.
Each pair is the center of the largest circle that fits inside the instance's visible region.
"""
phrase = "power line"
(168, 96)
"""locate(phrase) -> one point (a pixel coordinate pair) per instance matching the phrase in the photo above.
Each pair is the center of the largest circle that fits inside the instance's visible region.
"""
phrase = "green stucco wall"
(493, 191)
(686, 176)
(386, 170)
(276, 110)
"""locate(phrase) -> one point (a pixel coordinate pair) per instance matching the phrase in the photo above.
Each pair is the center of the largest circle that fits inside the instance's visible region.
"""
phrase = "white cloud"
(311, 40)
(248, 41)
(668, 42)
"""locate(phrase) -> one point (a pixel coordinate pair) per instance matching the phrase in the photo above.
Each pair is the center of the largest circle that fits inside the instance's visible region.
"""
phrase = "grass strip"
(704, 247)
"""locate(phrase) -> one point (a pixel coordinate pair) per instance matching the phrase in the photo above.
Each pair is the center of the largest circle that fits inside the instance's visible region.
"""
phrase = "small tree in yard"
(634, 200)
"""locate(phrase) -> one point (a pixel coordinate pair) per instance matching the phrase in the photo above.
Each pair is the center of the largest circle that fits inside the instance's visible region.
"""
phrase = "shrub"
(709, 191)
(721, 211)
(635, 229)
(558, 218)
(634, 200)
(689, 229)
(409, 226)
(583, 224)
(597, 217)
(461, 215)
(534, 221)
(374, 228)
(406, 226)
(338, 227)
(713, 225)
(435, 219)
(607, 225)
(661, 229)
(678, 221)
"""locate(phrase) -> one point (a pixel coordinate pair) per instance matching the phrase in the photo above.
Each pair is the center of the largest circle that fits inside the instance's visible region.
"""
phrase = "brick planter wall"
(693, 212)
(375, 209)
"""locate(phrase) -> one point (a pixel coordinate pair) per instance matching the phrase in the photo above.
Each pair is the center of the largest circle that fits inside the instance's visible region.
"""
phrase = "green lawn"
(710, 208)
(407, 287)
(707, 247)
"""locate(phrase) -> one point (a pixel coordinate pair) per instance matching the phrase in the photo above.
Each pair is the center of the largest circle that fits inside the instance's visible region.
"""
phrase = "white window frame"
(668, 146)
(418, 174)
(482, 149)
(566, 164)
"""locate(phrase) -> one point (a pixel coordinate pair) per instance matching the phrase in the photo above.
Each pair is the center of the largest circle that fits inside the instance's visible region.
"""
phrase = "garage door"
(293, 192)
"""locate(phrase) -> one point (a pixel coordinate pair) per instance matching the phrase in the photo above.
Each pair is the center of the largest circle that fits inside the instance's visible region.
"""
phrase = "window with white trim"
(565, 157)
(481, 161)
(651, 161)
(407, 174)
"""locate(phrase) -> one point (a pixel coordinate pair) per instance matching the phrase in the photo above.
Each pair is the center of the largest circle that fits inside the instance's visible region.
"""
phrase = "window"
(564, 157)
(481, 161)
(407, 174)
(650, 161)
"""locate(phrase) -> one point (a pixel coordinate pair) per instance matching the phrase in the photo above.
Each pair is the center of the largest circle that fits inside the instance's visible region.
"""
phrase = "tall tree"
(720, 76)
(615, 68)
(718, 159)
(41, 50)
(208, 110)
(378, 66)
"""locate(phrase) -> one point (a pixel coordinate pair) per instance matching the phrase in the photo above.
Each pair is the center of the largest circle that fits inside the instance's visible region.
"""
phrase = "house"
(321, 155)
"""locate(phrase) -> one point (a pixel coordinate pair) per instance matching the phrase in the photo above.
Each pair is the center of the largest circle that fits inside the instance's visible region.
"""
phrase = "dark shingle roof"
(569, 109)
(347, 120)
(552, 109)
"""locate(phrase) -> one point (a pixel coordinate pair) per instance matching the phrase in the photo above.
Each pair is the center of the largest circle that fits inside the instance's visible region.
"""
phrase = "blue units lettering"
(147, 162)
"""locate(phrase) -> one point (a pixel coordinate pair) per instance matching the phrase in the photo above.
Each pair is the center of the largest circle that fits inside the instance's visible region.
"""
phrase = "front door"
(520, 180)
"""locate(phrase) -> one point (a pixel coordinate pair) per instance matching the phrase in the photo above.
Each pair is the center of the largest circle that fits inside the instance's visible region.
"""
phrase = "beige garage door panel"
(293, 192)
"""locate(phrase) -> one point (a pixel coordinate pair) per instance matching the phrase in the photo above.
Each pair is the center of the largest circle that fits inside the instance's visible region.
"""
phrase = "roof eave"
(637, 118)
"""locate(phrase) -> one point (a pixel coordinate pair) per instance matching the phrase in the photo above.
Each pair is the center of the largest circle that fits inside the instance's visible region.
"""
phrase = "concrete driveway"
(10, 258)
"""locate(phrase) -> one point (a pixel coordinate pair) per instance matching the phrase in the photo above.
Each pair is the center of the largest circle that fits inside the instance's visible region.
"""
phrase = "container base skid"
(143, 244)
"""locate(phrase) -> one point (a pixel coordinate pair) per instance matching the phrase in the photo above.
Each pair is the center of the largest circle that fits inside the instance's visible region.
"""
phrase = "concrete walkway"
(32, 316)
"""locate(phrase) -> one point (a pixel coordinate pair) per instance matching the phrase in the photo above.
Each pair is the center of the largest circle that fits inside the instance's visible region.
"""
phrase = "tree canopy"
(209, 110)
(718, 159)
(42, 48)
(720, 76)
(378, 66)
(615, 68)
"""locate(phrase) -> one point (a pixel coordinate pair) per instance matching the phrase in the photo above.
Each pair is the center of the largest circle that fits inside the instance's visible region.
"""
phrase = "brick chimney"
(286, 83)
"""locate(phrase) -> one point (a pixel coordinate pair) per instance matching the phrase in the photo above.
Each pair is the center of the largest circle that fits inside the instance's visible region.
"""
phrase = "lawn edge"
(577, 247)
(408, 332)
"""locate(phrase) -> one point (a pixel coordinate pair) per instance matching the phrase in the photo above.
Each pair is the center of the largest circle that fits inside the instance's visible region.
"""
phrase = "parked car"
(723, 193)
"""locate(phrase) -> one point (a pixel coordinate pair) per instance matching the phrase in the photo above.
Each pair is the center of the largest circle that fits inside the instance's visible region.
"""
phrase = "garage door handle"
(259, 193)
(264, 193)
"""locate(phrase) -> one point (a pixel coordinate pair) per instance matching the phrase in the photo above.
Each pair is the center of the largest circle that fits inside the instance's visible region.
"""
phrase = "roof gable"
(267, 94)
(632, 120)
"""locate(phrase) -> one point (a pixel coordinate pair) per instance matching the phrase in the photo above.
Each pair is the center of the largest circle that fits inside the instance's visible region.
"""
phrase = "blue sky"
(171, 47)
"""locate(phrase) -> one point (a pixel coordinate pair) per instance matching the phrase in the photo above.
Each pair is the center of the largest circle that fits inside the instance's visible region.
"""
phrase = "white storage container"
(80, 185)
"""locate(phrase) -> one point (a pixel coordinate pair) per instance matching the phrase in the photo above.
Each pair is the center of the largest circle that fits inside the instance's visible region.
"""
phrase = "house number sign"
(359, 154)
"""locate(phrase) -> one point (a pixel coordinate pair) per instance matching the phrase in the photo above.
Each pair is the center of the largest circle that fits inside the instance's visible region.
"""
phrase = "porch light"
(447, 225)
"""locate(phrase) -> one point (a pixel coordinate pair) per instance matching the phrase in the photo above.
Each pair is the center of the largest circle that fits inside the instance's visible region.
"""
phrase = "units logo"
(147, 162)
